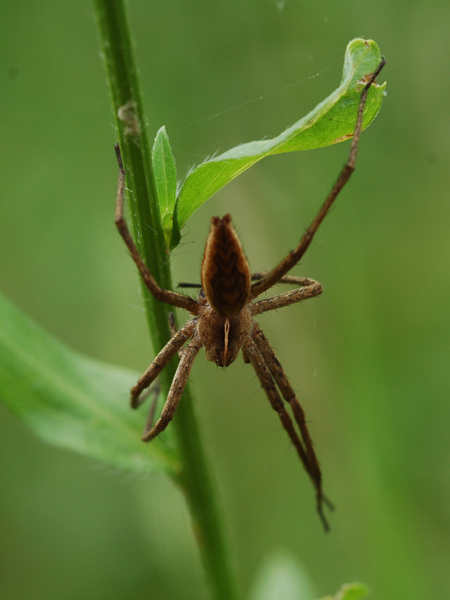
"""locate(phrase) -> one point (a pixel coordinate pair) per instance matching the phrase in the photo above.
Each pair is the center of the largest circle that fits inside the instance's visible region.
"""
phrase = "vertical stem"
(195, 477)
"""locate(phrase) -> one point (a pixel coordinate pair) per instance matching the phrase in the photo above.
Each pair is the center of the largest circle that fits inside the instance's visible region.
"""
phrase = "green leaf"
(165, 174)
(283, 578)
(332, 121)
(176, 233)
(350, 591)
(73, 401)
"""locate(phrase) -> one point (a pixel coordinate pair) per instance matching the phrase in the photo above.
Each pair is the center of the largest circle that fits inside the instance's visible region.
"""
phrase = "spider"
(223, 317)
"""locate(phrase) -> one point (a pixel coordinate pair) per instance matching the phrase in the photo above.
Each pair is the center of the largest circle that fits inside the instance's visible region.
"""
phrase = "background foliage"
(369, 358)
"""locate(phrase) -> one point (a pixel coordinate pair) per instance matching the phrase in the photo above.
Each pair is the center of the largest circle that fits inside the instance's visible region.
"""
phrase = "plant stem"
(195, 477)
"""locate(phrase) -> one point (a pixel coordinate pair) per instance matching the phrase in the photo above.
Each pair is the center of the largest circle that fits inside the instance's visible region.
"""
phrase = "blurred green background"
(369, 359)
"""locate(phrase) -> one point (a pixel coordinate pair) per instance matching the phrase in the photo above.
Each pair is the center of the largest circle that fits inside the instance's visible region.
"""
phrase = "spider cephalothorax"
(223, 317)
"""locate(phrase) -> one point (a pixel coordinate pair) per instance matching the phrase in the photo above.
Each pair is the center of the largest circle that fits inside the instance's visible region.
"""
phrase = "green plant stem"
(194, 475)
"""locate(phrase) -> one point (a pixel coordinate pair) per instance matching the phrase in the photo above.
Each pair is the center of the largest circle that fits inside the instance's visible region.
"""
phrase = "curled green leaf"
(332, 121)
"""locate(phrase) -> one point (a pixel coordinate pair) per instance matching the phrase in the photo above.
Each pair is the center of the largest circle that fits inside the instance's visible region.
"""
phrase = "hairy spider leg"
(302, 281)
(154, 390)
(295, 255)
(159, 293)
(173, 330)
(176, 389)
(268, 384)
(168, 352)
(288, 394)
(313, 288)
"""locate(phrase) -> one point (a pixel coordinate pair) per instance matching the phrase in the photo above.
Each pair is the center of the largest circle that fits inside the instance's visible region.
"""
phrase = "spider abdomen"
(225, 271)
(221, 336)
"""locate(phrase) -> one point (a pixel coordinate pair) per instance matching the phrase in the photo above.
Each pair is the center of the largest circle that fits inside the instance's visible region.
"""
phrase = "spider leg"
(293, 279)
(256, 277)
(268, 384)
(169, 351)
(310, 289)
(288, 393)
(173, 330)
(295, 255)
(176, 390)
(159, 293)
(245, 357)
(155, 390)
(197, 286)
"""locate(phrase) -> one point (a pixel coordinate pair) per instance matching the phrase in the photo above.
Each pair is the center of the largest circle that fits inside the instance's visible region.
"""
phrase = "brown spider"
(223, 317)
